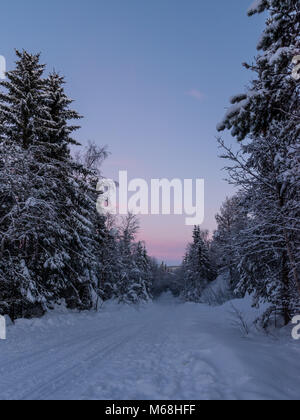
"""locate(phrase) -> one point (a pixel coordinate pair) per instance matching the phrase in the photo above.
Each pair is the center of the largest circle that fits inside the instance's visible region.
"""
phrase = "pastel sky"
(152, 78)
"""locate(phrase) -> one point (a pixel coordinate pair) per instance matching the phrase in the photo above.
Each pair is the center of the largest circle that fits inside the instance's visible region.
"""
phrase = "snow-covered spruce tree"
(133, 284)
(20, 293)
(266, 121)
(261, 246)
(87, 228)
(143, 270)
(263, 265)
(272, 95)
(198, 269)
(62, 262)
(73, 270)
(21, 103)
(25, 213)
(104, 267)
(68, 264)
(49, 226)
(110, 266)
(230, 221)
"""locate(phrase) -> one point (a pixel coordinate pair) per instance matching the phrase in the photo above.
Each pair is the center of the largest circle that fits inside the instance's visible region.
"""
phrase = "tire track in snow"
(37, 365)
(58, 382)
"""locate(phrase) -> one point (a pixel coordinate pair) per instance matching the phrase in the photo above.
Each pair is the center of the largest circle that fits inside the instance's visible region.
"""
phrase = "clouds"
(196, 94)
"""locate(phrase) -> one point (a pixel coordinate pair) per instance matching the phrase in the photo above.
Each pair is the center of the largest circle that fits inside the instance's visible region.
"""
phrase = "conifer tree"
(53, 243)
(231, 220)
(21, 103)
(134, 283)
(143, 271)
(25, 214)
(49, 227)
(198, 269)
(265, 120)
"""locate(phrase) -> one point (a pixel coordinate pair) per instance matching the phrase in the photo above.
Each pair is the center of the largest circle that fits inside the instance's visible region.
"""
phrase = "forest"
(56, 248)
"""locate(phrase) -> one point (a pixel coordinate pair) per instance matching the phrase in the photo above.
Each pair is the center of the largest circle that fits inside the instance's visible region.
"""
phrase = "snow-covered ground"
(166, 350)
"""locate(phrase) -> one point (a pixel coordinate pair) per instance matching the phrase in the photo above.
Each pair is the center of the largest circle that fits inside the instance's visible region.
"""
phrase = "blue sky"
(152, 78)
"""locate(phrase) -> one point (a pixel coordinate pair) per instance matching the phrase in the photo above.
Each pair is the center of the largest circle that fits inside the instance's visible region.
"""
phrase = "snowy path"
(164, 351)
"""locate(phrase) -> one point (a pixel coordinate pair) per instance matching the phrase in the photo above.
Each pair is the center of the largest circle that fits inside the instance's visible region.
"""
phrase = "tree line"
(54, 246)
(257, 241)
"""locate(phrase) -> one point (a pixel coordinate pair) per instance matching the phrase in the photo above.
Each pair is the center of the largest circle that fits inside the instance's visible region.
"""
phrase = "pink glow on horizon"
(166, 237)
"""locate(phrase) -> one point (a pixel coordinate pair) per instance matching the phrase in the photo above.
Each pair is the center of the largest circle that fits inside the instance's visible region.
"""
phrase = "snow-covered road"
(165, 350)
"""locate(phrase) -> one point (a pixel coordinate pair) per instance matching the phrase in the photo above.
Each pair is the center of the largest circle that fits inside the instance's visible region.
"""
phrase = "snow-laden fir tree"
(25, 217)
(198, 269)
(73, 242)
(49, 226)
(66, 268)
(54, 244)
(134, 282)
(265, 120)
(25, 213)
(143, 270)
(110, 266)
(272, 95)
(230, 222)
(21, 103)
